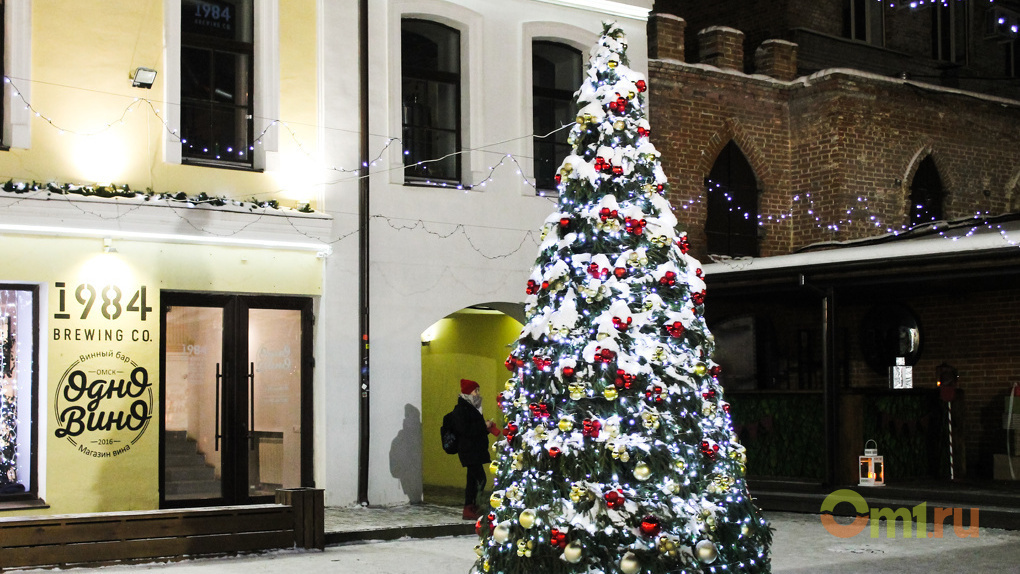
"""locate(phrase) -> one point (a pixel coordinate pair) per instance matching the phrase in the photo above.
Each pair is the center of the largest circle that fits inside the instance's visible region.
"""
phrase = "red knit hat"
(467, 385)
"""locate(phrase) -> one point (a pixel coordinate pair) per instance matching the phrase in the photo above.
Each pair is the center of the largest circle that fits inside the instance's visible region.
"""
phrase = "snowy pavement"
(801, 545)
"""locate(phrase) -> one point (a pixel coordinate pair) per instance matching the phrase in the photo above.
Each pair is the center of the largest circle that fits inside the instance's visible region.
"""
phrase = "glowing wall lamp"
(143, 78)
(429, 335)
(872, 466)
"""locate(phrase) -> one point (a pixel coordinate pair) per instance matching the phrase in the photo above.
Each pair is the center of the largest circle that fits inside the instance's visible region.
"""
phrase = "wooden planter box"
(108, 537)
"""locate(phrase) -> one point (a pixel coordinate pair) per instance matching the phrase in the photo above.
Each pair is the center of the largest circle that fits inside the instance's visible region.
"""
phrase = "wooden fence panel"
(64, 540)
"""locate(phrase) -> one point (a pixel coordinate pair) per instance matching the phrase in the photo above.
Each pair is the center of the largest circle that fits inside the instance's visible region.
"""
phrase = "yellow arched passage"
(469, 344)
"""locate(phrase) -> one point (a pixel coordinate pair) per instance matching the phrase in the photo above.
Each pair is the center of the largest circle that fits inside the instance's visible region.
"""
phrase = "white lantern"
(872, 466)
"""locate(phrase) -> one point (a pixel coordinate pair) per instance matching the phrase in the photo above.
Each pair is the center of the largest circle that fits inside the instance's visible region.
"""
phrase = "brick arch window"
(430, 90)
(926, 194)
(731, 225)
(555, 76)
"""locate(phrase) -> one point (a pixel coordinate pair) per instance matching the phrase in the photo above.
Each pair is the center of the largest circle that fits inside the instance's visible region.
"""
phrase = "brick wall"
(976, 332)
(722, 47)
(836, 150)
(837, 144)
(907, 39)
(758, 19)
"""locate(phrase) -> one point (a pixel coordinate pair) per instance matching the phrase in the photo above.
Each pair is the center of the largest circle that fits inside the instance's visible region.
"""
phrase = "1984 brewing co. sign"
(104, 400)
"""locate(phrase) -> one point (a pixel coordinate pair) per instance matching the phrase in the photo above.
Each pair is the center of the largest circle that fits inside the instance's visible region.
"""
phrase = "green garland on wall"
(114, 191)
(781, 434)
(909, 430)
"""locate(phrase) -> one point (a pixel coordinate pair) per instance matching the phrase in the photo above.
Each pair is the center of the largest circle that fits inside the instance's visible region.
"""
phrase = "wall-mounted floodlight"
(143, 78)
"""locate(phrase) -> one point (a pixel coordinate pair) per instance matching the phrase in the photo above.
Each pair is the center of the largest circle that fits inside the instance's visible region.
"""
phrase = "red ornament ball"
(650, 526)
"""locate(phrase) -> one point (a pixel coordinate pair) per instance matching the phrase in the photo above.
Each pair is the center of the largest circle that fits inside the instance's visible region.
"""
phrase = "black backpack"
(448, 435)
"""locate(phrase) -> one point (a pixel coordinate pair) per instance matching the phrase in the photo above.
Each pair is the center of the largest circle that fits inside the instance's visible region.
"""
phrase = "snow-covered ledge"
(151, 218)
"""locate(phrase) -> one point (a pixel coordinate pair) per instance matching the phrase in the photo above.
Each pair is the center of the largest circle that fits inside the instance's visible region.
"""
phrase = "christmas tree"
(619, 454)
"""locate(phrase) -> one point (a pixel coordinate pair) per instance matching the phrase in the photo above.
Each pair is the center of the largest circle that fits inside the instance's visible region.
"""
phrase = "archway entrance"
(472, 343)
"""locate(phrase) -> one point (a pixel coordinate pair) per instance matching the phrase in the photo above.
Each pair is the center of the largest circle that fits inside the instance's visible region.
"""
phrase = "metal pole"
(829, 391)
(363, 219)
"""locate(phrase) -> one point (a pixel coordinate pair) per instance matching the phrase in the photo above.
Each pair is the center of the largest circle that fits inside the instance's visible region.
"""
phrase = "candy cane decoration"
(949, 405)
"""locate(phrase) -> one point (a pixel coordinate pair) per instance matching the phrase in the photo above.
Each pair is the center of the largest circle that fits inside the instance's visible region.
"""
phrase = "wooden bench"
(109, 537)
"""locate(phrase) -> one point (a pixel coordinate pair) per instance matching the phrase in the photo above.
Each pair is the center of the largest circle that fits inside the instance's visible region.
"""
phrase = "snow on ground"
(801, 546)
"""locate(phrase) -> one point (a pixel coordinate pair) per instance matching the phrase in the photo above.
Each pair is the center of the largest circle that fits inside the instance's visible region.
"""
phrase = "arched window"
(555, 76)
(430, 89)
(926, 194)
(731, 226)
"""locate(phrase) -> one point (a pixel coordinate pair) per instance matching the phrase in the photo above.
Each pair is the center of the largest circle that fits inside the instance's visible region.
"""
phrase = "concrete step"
(192, 472)
(194, 488)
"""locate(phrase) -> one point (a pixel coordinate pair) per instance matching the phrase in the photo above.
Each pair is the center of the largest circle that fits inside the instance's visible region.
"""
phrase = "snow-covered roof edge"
(807, 81)
(980, 240)
(613, 8)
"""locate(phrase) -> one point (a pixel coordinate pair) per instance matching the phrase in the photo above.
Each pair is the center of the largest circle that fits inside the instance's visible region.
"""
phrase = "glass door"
(274, 393)
(236, 398)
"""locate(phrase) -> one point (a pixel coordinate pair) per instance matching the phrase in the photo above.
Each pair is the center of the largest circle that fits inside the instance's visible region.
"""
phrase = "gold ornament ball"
(566, 425)
(618, 125)
(496, 500)
(745, 529)
(501, 533)
(527, 518)
(706, 551)
(572, 553)
(642, 472)
(478, 549)
(630, 564)
(700, 369)
(610, 393)
(493, 467)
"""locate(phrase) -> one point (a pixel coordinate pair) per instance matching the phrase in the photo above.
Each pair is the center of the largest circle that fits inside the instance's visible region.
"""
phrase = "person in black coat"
(472, 432)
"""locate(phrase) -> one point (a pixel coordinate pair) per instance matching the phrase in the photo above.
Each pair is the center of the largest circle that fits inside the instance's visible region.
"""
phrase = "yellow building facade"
(158, 302)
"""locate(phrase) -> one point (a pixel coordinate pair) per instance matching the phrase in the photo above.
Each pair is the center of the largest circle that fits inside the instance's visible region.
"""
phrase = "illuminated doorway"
(236, 398)
(472, 343)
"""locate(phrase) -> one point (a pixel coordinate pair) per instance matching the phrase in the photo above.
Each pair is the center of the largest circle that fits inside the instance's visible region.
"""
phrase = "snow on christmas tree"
(619, 453)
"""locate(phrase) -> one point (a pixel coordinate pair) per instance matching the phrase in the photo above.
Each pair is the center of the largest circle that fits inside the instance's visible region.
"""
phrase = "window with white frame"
(3, 70)
(555, 75)
(217, 82)
(18, 391)
(430, 72)
(16, 64)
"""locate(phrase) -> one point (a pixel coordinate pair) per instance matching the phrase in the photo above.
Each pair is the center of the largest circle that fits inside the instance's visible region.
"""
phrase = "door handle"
(251, 406)
(219, 384)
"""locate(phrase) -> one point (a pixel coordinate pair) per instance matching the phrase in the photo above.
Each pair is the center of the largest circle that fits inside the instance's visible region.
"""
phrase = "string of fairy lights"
(855, 216)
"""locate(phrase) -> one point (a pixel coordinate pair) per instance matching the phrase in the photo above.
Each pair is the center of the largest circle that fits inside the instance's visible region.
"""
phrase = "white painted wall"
(433, 251)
